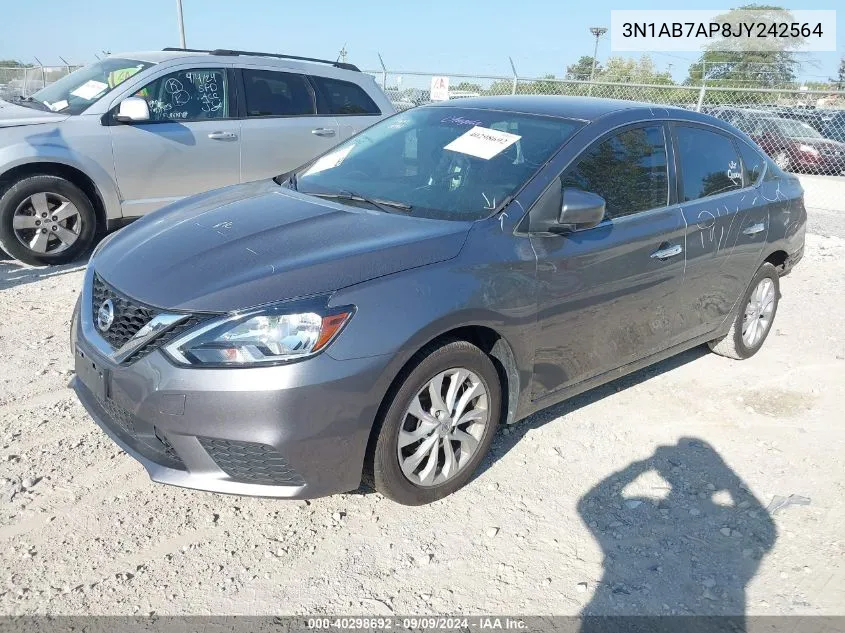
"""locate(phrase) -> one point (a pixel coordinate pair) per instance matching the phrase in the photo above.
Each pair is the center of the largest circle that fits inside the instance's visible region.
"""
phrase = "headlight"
(263, 337)
(808, 149)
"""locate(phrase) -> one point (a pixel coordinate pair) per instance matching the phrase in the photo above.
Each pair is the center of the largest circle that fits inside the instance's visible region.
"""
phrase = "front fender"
(47, 146)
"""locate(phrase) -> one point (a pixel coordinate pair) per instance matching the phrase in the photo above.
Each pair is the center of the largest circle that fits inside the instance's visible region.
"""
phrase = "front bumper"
(295, 431)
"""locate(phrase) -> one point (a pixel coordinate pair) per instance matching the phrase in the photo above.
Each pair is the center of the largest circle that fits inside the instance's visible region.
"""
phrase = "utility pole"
(597, 31)
(341, 56)
(181, 24)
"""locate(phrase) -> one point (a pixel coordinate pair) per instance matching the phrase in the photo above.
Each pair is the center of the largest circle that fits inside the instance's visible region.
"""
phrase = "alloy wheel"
(758, 313)
(443, 427)
(47, 223)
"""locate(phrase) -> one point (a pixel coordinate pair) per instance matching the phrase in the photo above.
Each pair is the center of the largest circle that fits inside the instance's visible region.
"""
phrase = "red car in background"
(795, 145)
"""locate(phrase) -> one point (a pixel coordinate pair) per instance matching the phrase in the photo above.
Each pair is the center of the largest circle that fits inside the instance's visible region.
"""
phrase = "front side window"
(628, 170)
(195, 94)
(74, 93)
(271, 93)
(438, 162)
(709, 163)
(342, 97)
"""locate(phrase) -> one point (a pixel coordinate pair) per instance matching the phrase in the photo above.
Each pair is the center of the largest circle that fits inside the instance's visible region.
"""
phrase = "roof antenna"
(341, 56)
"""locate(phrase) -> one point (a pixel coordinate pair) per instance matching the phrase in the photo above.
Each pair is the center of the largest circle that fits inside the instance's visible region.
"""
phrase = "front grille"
(129, 315)
(164, 338)
(152, 445)
(251, 463)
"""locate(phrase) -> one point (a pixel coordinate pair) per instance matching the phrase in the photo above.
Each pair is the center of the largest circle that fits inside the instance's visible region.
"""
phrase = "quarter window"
(752, 164)
(628, 170)
(709, 163)
(197, 94)
(342, 97)
(270, 93)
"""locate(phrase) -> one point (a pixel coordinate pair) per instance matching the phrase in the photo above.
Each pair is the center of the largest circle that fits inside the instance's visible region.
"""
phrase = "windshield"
(796, 129)
(74, 93)
(438, 162)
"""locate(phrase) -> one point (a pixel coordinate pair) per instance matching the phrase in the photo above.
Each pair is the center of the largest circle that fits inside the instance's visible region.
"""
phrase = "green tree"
(467, 86)
(840, 76)
(734, 65)
(582, 69)
(628, 70)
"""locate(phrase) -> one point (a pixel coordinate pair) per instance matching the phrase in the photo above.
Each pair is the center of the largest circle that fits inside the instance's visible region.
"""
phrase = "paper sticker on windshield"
(330, 161)
(89, 89)
(58, 105)
(482, 142)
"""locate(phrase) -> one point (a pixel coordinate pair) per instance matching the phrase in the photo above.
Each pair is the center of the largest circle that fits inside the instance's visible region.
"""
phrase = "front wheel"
(46, 220)
(754, 318)
(438, 426)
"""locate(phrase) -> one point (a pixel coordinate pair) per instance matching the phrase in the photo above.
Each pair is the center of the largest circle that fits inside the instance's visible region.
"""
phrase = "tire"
(383, 468)
(75, 233)
(734, 345)
(783, 160)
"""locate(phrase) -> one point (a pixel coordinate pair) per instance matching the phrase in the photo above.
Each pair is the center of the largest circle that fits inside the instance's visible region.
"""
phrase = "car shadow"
(509, 436)
(13, 273)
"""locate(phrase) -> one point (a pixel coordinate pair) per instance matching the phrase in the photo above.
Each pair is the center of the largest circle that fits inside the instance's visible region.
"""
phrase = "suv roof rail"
(234, 53)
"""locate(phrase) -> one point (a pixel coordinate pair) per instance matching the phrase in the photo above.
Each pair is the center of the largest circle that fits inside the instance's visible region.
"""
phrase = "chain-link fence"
(802, 130)
(22, 81)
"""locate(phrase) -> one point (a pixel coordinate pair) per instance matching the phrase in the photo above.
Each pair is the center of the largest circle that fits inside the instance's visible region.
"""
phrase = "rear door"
(354, 108)
(609, 294)
(727, 220)
(190, 144)
(280, 129)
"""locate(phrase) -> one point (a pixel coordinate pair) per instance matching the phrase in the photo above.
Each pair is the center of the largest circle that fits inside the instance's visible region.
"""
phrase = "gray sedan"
(379, 312)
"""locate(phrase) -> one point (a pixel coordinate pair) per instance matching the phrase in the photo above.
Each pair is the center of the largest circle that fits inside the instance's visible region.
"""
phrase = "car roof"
(240, 58)
(582, 108)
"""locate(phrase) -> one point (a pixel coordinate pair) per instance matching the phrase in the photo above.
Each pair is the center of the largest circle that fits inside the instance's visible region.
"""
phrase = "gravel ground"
(654, 494)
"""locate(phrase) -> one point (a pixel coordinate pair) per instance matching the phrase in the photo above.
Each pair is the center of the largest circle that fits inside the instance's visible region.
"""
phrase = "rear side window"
(709, 163)
(342, 97)
(270, 93)
(628, 170)
(752, 164)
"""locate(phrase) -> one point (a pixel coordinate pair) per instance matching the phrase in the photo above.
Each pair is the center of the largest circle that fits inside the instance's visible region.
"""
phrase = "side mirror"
(580, 209)
(133, 110)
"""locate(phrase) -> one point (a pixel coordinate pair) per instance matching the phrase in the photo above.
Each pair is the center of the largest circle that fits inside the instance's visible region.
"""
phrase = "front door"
(608, 295)
(190, 144)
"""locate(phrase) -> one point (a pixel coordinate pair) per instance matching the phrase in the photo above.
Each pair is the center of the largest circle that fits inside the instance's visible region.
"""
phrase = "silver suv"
(132, 133)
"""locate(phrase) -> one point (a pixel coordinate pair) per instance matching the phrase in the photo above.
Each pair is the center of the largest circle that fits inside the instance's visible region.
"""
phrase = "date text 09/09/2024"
(417, 623)
(760, 30)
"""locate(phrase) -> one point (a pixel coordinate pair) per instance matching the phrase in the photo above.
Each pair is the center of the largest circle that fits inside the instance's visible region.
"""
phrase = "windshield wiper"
(29, 102)
(384, 205)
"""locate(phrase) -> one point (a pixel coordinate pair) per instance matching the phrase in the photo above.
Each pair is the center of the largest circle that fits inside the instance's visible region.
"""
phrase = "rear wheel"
(754, 318)
(46, 220)
(439, 425)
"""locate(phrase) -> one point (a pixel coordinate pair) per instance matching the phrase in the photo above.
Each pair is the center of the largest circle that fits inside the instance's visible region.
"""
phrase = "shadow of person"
(681, 535)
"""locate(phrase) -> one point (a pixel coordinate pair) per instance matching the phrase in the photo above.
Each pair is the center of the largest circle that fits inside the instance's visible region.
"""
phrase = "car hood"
(12, 115)
(248, 245)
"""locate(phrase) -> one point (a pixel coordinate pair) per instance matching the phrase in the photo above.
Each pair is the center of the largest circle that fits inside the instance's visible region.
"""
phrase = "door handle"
(222, 136)
(669, 251)
(323, 131)
(754, 229)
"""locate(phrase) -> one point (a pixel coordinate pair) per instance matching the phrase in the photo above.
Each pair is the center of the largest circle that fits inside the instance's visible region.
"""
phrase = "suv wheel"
(46, 220)
(439, 425)
(754, 318)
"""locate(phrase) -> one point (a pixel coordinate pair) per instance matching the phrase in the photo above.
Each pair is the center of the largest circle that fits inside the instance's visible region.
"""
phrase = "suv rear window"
(271, 93)
(335, 96)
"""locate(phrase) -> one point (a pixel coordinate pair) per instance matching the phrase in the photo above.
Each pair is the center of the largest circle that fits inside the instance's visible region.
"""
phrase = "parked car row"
(798, 139)
(130, 134)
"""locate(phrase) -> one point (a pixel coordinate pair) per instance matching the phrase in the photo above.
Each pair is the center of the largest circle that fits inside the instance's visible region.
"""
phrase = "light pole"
(597, 31)
(181, 24)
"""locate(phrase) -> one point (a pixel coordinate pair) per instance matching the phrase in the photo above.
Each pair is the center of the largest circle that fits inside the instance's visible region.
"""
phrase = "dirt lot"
(649, 495)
